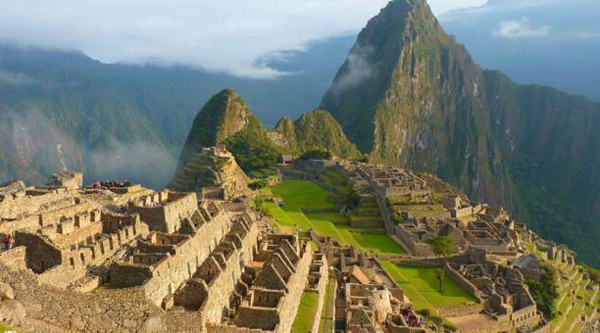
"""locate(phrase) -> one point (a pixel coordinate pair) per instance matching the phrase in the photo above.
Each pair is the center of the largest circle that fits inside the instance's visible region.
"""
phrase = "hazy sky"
(223, 35)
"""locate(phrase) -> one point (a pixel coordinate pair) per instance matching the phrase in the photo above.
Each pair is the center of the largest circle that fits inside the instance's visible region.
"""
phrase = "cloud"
(520, 29)
(358, 69)
(229, 36)
(139, 162)
(16, 79)
(492, 7)
(226, 35)
(440, 7)
(35, 147)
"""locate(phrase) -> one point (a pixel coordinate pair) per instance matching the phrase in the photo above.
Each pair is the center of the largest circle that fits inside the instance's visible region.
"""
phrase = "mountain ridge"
(411, 95)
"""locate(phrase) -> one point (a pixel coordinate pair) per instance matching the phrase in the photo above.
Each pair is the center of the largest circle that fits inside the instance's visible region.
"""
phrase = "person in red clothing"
(8, 242)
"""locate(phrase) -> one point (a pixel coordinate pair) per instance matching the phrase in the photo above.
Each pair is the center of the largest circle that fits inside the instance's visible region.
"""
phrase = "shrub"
(545, 292)
(316, 154)
(424, 312)
(450, 326)
(257, 185)
(436, 320)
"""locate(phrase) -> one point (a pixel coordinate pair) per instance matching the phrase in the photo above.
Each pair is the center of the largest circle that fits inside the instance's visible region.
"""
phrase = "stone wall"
(462, 310)
(221, 287)
(221, 328)
(296, 285)
(171, 273)
(322, 291)
(173, 207)
(14, 258)
(463, 282)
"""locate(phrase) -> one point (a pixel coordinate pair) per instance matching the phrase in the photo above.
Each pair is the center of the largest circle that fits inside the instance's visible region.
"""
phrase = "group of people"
(411, 318)
(8, 242)
(110, 183)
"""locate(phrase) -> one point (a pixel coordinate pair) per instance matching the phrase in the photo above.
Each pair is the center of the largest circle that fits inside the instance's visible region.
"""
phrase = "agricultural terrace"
(301, 195)
(422, 287)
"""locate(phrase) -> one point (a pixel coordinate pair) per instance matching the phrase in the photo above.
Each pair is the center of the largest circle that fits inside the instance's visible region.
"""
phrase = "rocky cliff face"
(316, 130)
(221, 117)
(410, 95)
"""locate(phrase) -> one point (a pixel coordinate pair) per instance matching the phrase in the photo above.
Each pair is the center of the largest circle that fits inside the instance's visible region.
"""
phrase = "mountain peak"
(222, 116)
(410, 95)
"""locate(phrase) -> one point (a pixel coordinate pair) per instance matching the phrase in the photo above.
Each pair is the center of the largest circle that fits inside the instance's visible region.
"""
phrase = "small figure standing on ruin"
(8, 242)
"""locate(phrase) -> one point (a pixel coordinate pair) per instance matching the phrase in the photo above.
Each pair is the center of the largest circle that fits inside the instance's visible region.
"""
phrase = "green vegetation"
(317, 131)
(378, 115)
(440, 275)
(306, 312)
(422, 287)
(316, 154)
(301, 194)
(328, 308)
(545, 292)
(442, 246)
(252, 149)
(258, 184)
(5, 327)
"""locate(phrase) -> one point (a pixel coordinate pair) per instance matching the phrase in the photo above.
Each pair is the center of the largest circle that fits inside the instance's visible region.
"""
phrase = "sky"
(228, 36)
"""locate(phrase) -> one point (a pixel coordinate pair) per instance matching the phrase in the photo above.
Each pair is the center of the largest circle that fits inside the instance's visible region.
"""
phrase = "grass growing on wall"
(306, 312)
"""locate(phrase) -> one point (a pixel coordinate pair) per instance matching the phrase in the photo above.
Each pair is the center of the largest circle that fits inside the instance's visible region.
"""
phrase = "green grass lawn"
(302, 194)
(306, 312)
(421, 285)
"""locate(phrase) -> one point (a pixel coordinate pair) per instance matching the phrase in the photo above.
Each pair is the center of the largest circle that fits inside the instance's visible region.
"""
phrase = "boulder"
(153, 325)
(13, 310)
(6, 291)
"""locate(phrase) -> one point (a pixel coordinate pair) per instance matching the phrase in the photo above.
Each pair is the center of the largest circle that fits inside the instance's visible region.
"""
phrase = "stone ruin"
(212, 257)
(502, 289)
(367, 298)
(413, 215)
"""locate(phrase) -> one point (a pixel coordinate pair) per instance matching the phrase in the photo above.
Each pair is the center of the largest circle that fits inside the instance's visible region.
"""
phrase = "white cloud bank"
(520, 29)
(225, 35)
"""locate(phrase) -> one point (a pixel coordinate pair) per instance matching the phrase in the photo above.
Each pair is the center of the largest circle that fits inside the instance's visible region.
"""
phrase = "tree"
(440, 274)
(442, 246)
(351, 199)
(545, 292)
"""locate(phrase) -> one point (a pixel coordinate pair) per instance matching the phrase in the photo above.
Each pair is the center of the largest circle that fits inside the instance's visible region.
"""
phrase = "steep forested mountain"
(411, 95)
(316, 130)
(63, 109)
(226, 119)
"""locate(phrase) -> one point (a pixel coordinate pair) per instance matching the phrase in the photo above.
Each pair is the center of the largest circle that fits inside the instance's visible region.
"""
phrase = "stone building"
(504, 292)
(272, 300)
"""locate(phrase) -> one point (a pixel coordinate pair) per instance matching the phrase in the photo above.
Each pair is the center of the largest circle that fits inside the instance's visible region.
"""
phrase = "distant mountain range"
(62, 109)
(411, 95)
(555, 43)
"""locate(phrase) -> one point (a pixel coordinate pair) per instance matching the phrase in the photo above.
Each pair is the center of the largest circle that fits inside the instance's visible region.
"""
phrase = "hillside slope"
(410, 95)
(316, 130)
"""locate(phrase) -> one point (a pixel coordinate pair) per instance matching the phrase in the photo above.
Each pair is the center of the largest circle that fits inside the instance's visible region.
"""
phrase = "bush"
(436, 320)
(252, 150)
(316, 154)
(424, 312)
(450, 326)
(258, 184)
(545, 292)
